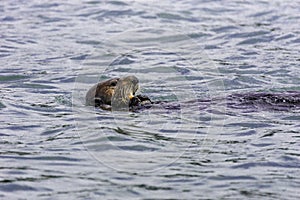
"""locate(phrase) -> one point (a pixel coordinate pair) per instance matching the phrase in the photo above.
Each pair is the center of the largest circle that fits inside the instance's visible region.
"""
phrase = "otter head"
(115, 93)
(124, 92)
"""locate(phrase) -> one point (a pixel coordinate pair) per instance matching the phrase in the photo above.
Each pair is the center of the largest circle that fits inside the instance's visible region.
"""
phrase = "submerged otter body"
(119, 94)
(253, 101)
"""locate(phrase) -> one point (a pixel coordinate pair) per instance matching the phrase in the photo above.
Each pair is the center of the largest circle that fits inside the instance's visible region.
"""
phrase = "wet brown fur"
(102, 92)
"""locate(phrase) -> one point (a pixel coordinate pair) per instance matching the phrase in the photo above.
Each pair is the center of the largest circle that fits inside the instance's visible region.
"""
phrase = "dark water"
(54, 147)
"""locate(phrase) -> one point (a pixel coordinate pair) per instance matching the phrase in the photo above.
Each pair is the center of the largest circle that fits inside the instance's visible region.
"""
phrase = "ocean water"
(201, 56)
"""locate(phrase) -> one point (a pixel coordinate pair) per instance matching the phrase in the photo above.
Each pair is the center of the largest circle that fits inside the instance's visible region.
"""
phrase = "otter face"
(124, 91)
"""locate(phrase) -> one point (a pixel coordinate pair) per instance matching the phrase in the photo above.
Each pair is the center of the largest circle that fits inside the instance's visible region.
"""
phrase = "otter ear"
(114, 82)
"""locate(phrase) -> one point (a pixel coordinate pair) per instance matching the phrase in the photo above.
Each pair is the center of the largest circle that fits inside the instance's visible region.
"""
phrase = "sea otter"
(119, 94)
(116, 94)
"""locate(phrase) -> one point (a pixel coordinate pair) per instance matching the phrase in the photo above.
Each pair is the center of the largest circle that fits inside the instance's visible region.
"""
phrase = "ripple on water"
(8, 78)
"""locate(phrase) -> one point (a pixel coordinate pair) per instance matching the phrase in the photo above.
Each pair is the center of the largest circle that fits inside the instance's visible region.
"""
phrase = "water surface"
(54, 147)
